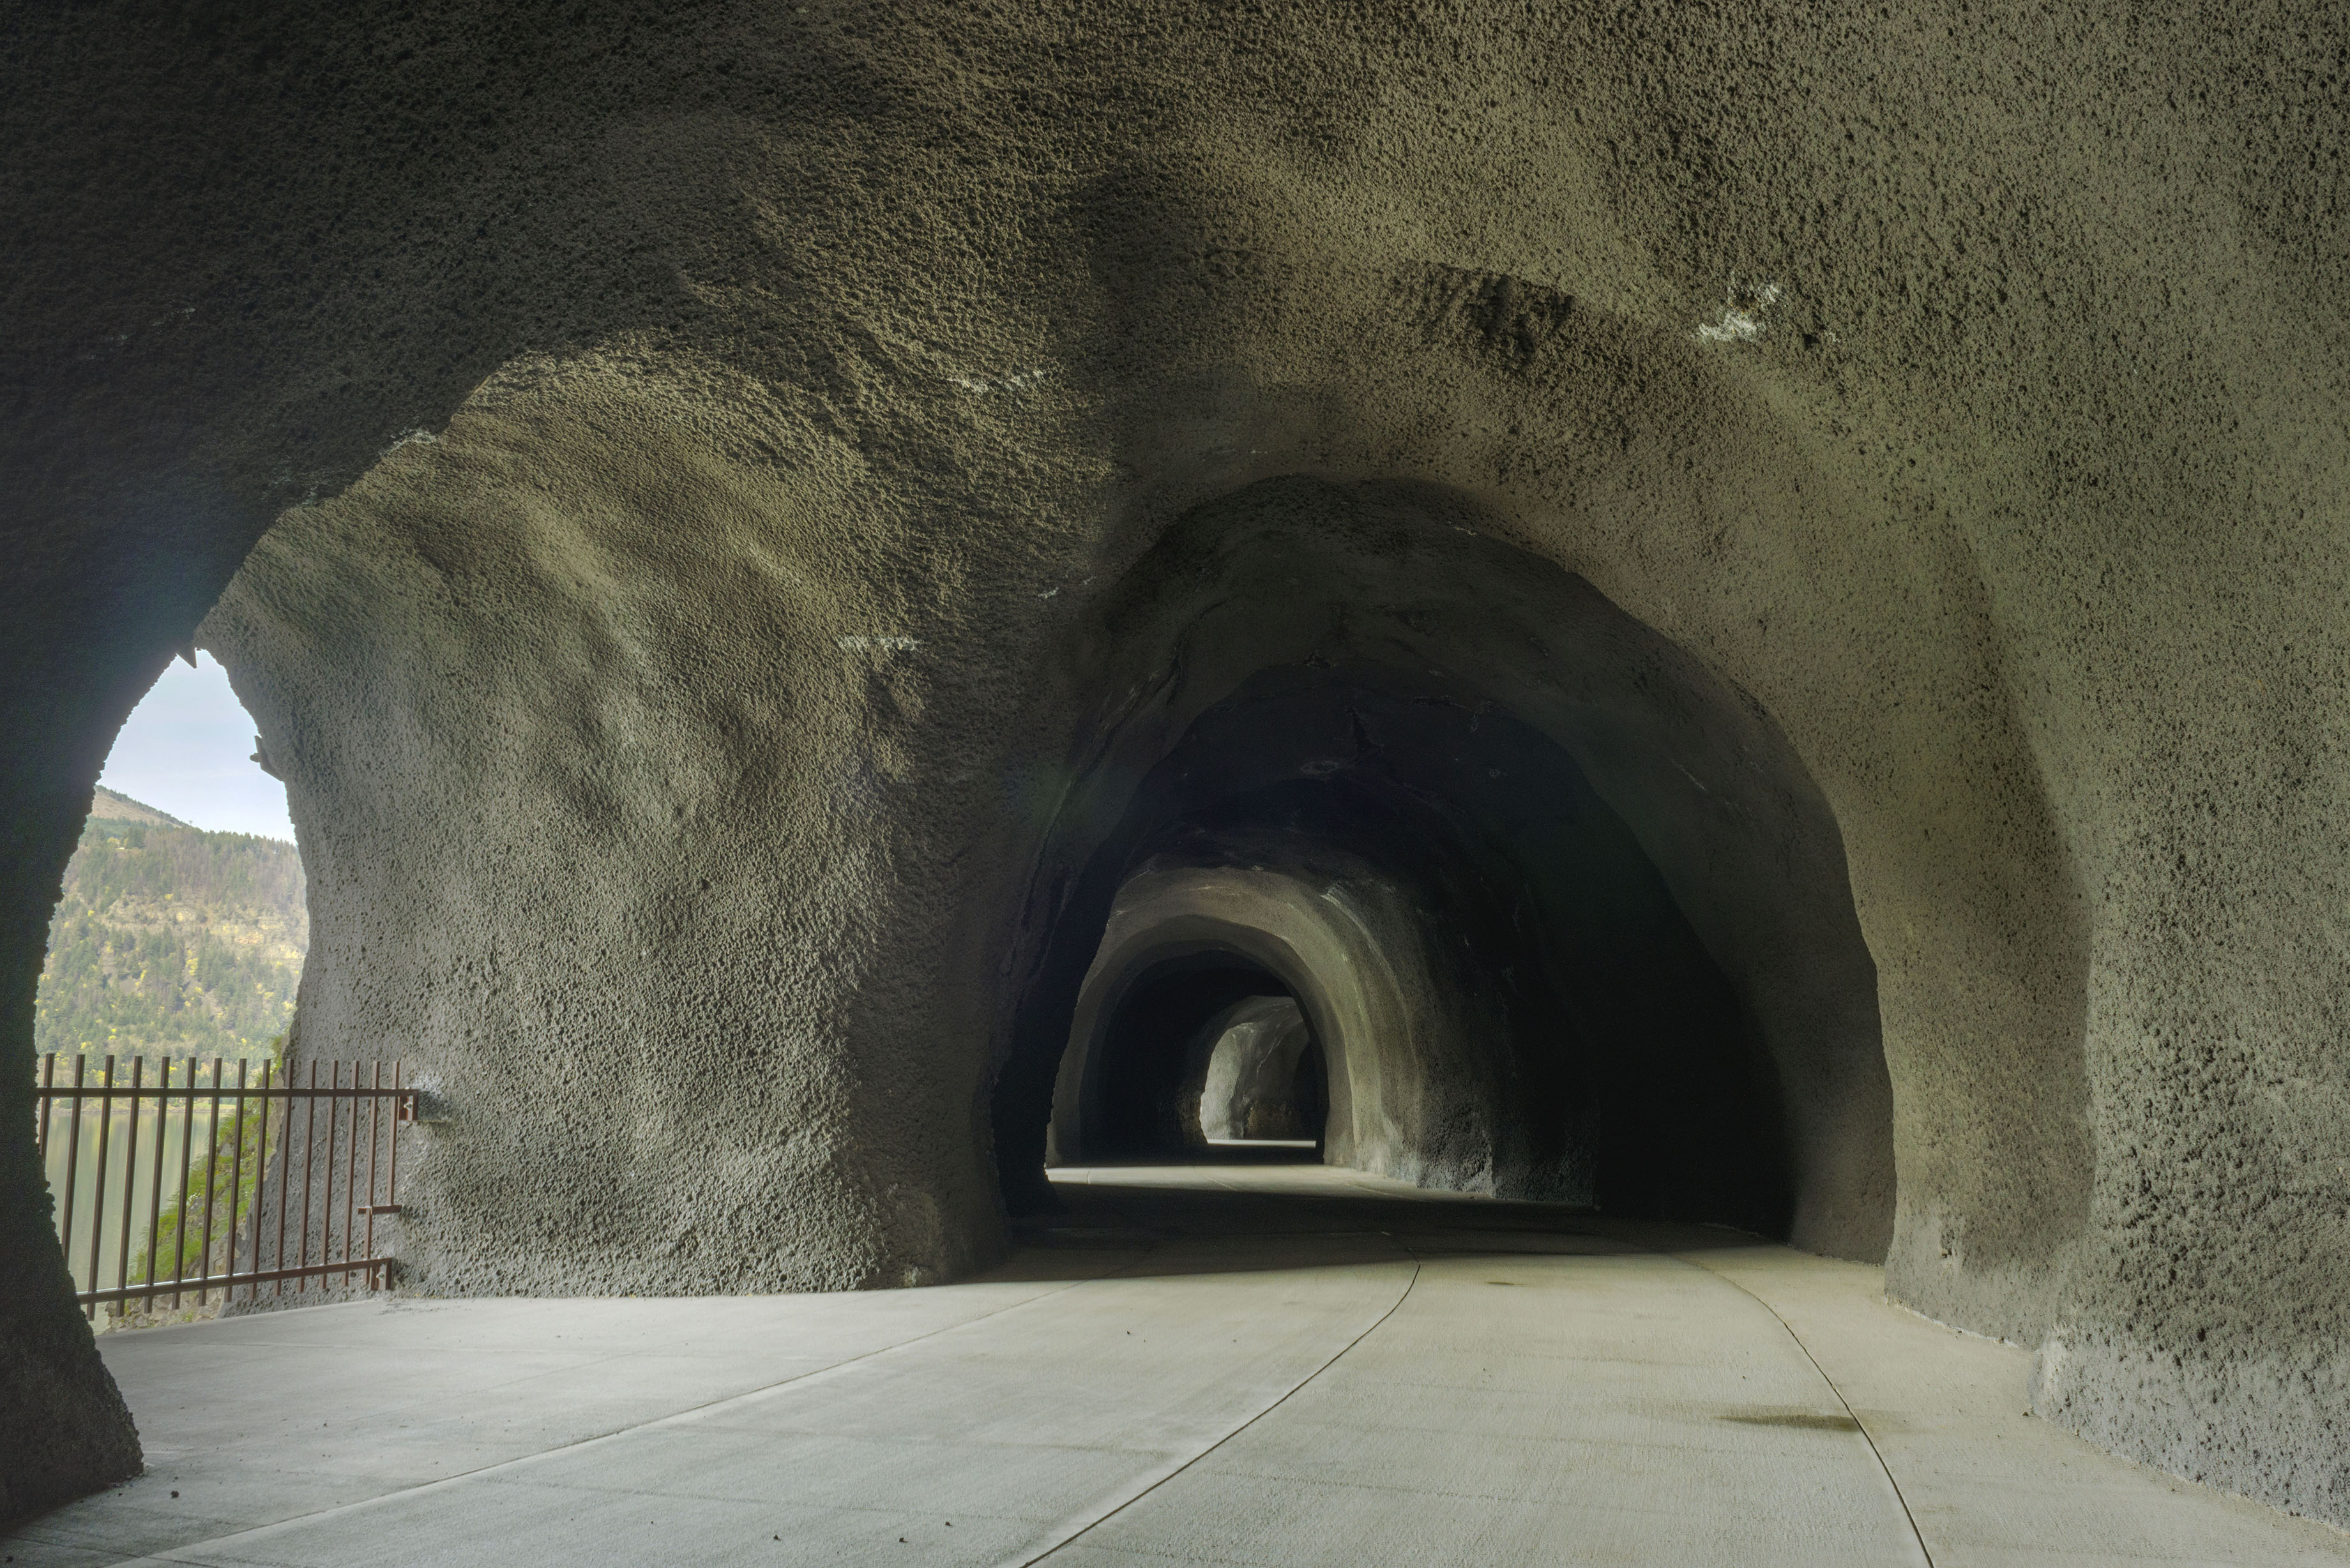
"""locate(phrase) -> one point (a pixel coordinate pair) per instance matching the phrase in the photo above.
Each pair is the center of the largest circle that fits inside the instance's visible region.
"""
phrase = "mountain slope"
(106, 802)
(171, 940)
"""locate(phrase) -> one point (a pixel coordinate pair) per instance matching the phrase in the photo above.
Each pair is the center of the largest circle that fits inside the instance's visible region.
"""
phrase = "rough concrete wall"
(1958, 381)
(64, 1430)
(620, 912)
(1240, 1022)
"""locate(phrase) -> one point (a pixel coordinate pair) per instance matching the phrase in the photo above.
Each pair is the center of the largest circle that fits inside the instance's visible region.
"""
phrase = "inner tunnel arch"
(1196, 991)
(1132, 1083)
(1613, 901)
(1261, 1076)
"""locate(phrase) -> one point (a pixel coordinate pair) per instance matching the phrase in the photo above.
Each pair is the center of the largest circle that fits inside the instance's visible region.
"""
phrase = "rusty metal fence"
(283, 1190)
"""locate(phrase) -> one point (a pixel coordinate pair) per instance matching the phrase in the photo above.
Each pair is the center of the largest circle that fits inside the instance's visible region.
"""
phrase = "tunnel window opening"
(178, 941)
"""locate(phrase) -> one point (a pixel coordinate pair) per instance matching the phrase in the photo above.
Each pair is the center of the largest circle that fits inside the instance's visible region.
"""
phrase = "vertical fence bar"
(48, 1105)
(309, 1151)
(180, 1200)
(374, 1131)
(260, 1181)
(130, 1186)
(327, 1209)
(285, 1193)
(351, 1176)
(155, 1187)
(391, 1157)
(325, 1212)
(212, 1181)
(98, 1183)
(73, 1157)
(235, 1179)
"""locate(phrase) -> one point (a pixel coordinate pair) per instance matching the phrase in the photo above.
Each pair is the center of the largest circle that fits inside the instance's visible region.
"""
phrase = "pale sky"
(187, 750)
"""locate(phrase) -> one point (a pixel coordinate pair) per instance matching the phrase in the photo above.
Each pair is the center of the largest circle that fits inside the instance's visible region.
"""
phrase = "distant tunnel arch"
(1261, 1074)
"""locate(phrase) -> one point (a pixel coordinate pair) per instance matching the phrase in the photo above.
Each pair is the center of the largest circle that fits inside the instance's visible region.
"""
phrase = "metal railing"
(222, 1228)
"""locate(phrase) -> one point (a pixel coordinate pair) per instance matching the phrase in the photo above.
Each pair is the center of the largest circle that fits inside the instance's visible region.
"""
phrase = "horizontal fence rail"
(247, 1209)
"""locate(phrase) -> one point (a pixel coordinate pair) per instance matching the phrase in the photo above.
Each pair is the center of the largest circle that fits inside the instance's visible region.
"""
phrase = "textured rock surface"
(64, 1430)
(694, 710)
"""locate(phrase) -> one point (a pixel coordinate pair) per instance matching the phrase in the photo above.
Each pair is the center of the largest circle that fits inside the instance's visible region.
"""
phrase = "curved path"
(1214, 1365)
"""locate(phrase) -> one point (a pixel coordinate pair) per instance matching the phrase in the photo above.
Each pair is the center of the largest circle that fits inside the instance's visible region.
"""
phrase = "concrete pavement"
(1258, 1365)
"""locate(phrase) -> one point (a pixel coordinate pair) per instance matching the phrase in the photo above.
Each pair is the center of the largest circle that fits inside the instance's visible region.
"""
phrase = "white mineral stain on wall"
(981, 386)
(418, 437)
(1740, 320)
(885, 644)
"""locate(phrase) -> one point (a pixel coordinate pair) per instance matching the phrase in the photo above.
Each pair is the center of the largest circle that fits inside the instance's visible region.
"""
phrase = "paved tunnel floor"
(1210, 1365)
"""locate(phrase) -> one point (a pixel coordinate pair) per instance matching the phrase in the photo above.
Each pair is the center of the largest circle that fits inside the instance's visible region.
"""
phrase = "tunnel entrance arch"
(1510, 1001)
(1634, 974)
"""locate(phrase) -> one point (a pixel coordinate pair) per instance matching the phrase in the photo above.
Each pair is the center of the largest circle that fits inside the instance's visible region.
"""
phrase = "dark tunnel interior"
(1156, 1040)
(1577, 1042)
(1564, 911)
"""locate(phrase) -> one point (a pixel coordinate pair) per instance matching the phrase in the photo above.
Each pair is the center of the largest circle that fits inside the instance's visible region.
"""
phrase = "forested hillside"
(172, 941)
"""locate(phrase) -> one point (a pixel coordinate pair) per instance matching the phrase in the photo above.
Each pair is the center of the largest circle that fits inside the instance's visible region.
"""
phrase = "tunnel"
(1364, 780)
(1738, 609)
(1145, 1095)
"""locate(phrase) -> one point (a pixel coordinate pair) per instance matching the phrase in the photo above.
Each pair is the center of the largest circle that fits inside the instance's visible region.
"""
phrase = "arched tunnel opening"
(1261, 1078)
(1515, 1000)
(1193, 1022)
(1561, 912)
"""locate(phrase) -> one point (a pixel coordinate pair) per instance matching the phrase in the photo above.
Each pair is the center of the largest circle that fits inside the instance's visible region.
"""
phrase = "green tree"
(172, 941)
